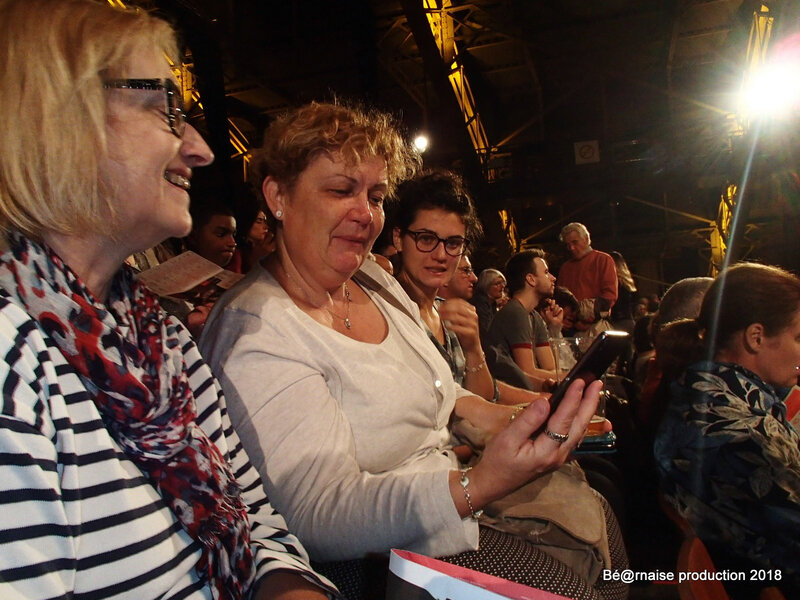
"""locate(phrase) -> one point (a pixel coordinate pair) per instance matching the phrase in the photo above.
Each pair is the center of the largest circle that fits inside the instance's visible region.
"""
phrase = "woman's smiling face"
(148, 168)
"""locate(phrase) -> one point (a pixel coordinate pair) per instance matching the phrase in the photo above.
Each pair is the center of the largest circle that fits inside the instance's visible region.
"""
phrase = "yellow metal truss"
(443, 30)
(719, 238)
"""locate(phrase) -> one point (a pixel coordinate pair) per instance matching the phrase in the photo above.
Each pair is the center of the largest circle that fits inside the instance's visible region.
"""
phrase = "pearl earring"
(278, 214)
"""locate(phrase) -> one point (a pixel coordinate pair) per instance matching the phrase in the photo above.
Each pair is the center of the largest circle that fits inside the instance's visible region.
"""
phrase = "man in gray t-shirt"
(517, 329)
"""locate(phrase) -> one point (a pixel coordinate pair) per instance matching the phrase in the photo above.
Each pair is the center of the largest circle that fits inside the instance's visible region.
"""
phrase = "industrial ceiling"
(617, 113)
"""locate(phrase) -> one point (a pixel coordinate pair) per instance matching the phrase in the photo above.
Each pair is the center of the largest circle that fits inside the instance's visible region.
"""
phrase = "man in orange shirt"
(589, 274)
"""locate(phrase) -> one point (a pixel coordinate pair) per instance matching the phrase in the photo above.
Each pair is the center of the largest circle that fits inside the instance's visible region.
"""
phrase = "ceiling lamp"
(421, 142)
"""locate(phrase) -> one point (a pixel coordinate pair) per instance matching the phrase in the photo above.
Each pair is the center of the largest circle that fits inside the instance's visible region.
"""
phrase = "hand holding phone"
(605, 348)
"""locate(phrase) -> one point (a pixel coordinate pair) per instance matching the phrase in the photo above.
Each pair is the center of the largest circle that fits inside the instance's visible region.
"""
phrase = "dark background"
(652, 83)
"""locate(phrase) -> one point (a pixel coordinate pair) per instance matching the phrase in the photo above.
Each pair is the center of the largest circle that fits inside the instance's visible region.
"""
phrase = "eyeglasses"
(175, 113)
(427, 241)
(466, 270)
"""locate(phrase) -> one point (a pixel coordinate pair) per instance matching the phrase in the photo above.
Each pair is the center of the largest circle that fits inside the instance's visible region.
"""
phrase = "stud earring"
(278, 214)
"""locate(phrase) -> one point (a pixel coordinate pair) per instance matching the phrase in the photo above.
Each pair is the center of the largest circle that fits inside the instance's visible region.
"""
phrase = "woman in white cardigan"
(339, 396)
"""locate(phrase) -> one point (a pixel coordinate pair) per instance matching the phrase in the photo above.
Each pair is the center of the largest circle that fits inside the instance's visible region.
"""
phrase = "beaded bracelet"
(464, 481)
(480, 365)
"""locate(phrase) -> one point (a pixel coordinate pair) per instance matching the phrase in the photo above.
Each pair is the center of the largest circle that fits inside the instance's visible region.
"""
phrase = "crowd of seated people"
(323, 429)
(322, 344)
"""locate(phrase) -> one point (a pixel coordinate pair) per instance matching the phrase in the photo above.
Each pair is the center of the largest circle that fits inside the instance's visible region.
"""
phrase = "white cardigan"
(352, 443)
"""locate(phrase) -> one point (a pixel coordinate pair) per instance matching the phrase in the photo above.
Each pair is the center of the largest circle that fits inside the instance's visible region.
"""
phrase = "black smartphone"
(605, 348)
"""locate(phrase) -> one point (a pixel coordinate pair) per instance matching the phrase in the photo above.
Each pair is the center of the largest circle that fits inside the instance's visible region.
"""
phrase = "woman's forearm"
(477, 378)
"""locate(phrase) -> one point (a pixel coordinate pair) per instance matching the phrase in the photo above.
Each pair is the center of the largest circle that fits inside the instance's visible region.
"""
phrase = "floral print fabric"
(730, 463)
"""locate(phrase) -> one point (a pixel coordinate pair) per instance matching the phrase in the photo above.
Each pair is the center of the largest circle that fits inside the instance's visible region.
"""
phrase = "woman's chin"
(347, 265)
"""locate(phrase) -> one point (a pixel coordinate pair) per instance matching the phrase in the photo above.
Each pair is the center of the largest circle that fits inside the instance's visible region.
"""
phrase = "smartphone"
(605, 348)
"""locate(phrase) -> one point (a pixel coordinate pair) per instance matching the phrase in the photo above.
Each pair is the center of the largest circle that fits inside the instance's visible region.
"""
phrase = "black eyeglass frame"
(176, 112)
(464, 242)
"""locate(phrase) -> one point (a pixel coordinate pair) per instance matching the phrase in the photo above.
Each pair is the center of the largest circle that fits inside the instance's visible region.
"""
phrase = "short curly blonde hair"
(298, 137)
(54, 55)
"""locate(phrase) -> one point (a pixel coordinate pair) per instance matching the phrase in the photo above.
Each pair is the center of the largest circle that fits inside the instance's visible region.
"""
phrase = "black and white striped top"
(77, 518)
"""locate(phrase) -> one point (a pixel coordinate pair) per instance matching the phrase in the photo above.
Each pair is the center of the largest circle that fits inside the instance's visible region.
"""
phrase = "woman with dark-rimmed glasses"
(120, 475)
(433, 225)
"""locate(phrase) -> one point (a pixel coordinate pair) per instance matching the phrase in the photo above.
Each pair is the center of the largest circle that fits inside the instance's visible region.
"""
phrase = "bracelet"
(480, 365)
(464, 481)
(517, 410)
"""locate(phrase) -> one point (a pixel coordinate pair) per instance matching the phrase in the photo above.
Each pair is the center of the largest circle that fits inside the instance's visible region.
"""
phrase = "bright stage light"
(421, 142)
(773, 91)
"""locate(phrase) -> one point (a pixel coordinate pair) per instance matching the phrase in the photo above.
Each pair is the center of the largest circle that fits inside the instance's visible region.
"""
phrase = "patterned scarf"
(131, 360)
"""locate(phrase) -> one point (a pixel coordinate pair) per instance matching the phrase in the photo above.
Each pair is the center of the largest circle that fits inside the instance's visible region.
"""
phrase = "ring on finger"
(558, 437)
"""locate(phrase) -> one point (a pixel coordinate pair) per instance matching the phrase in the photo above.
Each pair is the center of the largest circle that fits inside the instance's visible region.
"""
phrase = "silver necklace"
(347, 298)
(346, 318)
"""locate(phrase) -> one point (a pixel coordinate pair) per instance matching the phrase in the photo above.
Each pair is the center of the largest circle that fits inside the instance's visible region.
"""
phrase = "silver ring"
(558, 437)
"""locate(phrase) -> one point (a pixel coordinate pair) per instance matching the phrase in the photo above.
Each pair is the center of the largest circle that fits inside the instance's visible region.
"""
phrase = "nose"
(194, 149)
(473, 278)
(439, 251)
(362, 211)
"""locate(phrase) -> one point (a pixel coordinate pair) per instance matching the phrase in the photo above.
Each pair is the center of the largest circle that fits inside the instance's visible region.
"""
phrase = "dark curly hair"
(435, 188)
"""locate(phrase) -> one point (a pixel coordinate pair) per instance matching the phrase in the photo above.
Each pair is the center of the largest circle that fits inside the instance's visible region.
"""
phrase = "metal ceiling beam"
(436, 70)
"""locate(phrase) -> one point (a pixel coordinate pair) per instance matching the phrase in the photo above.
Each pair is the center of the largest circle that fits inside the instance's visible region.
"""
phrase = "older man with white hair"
(589, 274)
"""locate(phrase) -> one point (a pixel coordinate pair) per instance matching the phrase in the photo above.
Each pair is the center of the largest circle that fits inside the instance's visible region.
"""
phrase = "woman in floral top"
(727, 455)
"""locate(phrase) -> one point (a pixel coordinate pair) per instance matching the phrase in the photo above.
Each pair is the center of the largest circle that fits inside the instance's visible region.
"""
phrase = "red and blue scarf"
(129, 356)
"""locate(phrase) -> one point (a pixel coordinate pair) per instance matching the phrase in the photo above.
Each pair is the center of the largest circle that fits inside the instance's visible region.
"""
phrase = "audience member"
(640, 308)
(569, 305)
(434, 214)
(681, 301)
(462, 283)
(589, 274)
(729, 460)
(321, 344)
(384, 253)
(622, 310)
(121, 475)
(434, 224)
(213, 232)
(518, 329)
(488, 292)
(254, 239)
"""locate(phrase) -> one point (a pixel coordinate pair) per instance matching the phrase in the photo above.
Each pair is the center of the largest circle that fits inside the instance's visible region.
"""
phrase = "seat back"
(680, 521)
(694, 560)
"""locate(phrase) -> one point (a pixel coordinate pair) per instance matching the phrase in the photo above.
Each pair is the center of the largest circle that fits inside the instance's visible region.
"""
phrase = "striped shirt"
(77, 518)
